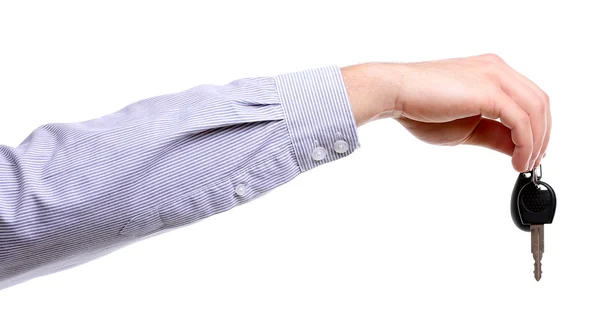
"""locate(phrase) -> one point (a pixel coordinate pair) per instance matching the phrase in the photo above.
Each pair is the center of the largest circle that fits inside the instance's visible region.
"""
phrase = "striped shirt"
(70, 193)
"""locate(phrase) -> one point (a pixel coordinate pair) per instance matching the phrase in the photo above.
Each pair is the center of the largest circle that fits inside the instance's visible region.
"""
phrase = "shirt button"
(241, 189)
(340, 146)
(319, 153)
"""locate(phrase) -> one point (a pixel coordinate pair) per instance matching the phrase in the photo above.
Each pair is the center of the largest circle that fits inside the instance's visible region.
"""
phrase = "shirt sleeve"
(73, 192)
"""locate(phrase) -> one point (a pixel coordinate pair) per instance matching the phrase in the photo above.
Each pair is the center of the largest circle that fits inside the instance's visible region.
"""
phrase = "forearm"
(72, 192)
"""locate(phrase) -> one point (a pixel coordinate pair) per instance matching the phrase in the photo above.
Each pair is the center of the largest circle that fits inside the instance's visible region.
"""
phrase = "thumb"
(493, 135)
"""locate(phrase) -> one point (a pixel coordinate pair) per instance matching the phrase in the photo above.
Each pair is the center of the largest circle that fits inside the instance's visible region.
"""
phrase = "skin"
(457, 101)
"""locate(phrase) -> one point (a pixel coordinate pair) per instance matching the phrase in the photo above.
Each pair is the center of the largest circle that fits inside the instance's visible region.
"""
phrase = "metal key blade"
(537, 248)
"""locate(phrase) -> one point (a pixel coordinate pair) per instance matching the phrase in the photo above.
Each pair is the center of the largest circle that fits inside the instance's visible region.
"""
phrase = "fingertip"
(523, 158)
(520, 160)
(517, 165)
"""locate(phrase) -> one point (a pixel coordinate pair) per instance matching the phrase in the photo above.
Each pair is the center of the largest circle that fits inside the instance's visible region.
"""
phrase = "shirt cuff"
(318, 114)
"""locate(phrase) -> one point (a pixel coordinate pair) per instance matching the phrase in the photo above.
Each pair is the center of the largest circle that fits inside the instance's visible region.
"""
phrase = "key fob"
(533, 202)
(522, 180)
(537, 203)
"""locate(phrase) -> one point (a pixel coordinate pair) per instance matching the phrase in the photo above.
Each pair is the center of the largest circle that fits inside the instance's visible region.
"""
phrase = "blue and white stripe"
(73, 192)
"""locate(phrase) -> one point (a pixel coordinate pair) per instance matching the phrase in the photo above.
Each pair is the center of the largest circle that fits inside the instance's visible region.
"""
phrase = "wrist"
(371, 92)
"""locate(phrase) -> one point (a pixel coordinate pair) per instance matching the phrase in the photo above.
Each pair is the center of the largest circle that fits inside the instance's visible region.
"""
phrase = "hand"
(457, 101)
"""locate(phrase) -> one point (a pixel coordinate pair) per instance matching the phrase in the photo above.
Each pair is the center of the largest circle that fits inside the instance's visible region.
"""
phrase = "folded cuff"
(318, 114)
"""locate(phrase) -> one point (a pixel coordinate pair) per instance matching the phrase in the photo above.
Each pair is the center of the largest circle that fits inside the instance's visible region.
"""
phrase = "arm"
(73, 192)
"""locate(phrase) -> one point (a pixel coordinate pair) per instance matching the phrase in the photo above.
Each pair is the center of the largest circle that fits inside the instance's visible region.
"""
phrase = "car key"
(533, 205)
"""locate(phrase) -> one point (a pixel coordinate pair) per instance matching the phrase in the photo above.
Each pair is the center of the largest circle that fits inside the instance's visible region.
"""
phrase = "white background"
(399, 234)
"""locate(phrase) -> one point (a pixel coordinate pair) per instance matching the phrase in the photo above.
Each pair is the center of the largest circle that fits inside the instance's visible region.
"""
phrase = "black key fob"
(533, 201)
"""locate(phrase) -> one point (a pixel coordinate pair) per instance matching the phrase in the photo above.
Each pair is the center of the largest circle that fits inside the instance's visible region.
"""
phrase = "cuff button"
(319, 153)
(340, 146)
(241, 189)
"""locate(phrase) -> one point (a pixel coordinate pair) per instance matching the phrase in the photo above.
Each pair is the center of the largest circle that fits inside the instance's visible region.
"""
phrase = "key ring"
(534, 177)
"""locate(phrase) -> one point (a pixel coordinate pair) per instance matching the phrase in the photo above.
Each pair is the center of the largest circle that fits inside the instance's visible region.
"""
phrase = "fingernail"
(531, 165)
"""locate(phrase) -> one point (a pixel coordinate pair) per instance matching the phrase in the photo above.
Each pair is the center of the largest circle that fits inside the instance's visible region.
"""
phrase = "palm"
(472, 130)
(446, 133)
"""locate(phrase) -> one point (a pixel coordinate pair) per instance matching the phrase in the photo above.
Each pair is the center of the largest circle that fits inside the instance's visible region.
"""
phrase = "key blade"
(537, 249)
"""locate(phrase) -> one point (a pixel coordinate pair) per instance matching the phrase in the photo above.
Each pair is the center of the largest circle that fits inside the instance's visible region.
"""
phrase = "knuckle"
(493, 58)
(538, 106)
(490, 102)
(546, 98)
(492, 75)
